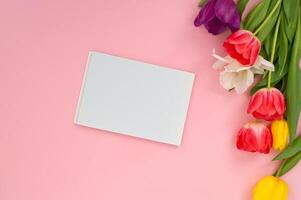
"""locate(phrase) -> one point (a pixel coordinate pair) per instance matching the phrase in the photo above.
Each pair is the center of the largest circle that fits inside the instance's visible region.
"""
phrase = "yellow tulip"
(270, 188)
(280, 132)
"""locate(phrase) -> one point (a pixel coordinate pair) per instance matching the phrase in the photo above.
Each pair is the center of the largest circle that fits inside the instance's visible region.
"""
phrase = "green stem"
(269, 79)
(273, 50)
(268, 17)
(280, 168)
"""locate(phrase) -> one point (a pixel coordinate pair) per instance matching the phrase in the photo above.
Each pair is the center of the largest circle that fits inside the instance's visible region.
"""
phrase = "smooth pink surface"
(43, 51)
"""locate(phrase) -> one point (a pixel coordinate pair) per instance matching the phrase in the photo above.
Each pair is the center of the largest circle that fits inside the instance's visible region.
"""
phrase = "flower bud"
(270, 188)
(254, 137)
(243, 46)
(280, 132)
(267, 104)
(218, 16)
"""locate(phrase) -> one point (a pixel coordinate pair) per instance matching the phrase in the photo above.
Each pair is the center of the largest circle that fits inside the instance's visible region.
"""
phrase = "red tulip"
(267, 104)
(254, 137)
(243, 46)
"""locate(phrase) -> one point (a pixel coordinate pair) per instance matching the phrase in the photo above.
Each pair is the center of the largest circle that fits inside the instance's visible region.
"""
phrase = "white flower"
(238, 76)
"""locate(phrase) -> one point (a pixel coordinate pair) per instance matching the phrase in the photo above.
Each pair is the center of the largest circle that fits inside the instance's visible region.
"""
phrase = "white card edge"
(177, 144)
(142, 62)
(187, 108)
(83, 85)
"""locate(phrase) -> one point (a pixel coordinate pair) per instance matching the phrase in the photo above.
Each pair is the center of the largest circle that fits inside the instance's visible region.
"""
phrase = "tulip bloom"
(280, 132)
(243, 46)
(237, 76)
(254, 137)
(267, 104)
(218, 15)
(270, 188)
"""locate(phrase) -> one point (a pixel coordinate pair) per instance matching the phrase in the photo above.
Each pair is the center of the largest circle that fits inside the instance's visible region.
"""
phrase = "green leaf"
(263, 53)
(291, 12)
(267, 44)
(290, 29)
(261, 84)
(293, 90)
(281, 57)
(293, 148)
(290, 163)
(283, 51)
(241, 5)
(290, 9)
(264, 32)
(283, 85)
(257, 15)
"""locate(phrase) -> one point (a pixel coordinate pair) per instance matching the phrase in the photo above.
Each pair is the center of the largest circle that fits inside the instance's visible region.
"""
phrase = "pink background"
(43, 50)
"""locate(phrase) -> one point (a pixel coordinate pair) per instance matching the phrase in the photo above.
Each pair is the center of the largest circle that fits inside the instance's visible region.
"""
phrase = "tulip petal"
(237, 34)
(226, 11)
(280, 191)
(215, 26)
(247, 53)
(235, 23)
(255, 103)
(265, 105)
(272, 105)
(270, 188)
(246, 140)
(221, 61)
(278, 102)
(235, 75)
(264, 188)
(239, 37)
(250, 141)
(280, 132)
(243, 80)
(261, 64)
(219, 64)
(265, 143)
(285, 190)
(264, 64)
(243, 46)
(257, 70)
(254, 137)
(255, 51)
(234, 54)
(227, 80)
(235, 67)
(206, 13)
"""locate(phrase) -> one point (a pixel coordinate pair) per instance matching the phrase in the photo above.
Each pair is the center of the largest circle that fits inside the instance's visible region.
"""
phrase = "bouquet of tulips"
(267, 44)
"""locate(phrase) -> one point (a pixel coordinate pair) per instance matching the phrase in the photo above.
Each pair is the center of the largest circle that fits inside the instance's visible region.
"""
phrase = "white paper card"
(134, 98)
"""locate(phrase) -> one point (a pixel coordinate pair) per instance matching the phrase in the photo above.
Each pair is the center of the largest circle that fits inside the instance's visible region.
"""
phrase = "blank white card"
(134, 98)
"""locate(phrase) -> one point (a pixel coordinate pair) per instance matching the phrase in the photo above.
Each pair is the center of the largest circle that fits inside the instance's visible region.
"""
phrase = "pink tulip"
(243, 46)
(267, 104)
(254, 137)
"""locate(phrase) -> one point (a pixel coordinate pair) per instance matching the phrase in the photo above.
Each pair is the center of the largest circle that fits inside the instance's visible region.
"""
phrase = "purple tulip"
(218, 15)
